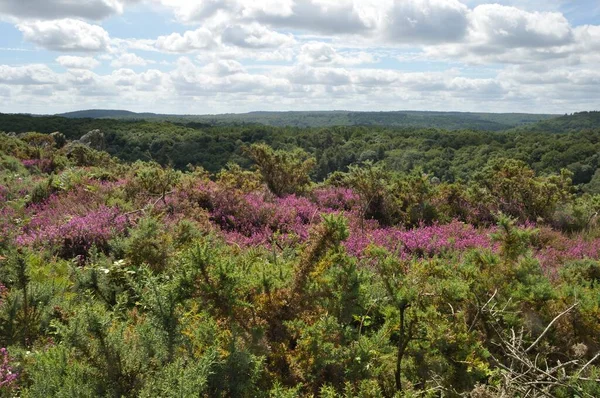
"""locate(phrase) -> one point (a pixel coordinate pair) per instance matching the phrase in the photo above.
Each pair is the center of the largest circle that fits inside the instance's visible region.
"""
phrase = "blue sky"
(218, 56)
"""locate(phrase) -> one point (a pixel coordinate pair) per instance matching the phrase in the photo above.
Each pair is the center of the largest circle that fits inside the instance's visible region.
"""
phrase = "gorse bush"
(129, 280)
(283, 172)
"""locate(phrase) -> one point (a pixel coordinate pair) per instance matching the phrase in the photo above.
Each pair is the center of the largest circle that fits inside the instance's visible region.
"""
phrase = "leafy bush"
(283, 172)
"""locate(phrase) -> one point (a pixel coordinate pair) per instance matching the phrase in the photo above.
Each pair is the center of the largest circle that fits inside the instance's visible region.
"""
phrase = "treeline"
(414, 119)
(567, 123)
(447, 155)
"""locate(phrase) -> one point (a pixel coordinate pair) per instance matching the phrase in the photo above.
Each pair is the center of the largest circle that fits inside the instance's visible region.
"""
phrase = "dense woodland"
(447, 155)
(255, 261)
(414, 119)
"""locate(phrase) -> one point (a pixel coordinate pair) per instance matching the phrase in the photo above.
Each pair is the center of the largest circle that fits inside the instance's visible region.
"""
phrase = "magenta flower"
(8, 376)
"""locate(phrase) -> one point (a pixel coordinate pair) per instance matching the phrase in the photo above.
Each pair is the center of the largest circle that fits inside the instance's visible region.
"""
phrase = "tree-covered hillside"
(137, 280)
(447, 155)
(567, 123)
(445, 120)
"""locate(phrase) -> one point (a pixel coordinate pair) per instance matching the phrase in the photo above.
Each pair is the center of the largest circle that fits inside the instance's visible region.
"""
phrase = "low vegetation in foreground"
(134, 279)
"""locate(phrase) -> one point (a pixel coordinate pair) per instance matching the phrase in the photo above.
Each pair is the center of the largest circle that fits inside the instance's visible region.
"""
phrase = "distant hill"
(567, 123)
(105, 114)
(444, 120)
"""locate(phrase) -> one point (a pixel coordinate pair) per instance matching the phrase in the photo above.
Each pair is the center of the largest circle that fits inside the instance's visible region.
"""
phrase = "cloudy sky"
(217, 56)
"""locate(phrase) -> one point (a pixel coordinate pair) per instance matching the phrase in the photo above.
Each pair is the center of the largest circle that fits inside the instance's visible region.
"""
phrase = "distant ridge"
(567, 123)
(421, 119)
(104, 114)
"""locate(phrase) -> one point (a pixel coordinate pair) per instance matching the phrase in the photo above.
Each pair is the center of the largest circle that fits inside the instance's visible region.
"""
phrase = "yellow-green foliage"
(127, 280)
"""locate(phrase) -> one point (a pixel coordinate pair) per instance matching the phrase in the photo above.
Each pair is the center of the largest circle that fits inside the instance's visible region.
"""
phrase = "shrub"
(147, 245)
(283, 172)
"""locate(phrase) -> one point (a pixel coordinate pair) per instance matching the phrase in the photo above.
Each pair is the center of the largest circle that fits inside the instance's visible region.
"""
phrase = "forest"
(571, 142)
(419, 119)
(162, 259)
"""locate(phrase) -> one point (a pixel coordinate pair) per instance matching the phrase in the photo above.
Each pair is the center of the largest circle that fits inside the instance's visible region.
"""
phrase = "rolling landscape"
(237, 234)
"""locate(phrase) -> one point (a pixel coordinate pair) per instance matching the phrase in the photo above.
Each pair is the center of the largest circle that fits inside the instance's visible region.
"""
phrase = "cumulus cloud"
(65, 35)
(588, 37)
(224, 68)
(504, 34)
(199, 39)
(57, 9)
(319, 53)
(327, 16)
(34, 74)
(197, 11)
(497, 25)
(321, 76)
(188, 79)
(324, 16)
(255, 36)
(311, 54)
(73, 62)
(427, 21)
(128, 59)
(150, 80)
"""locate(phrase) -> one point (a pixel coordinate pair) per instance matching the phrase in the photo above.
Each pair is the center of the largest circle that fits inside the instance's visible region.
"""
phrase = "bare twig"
(587, 364)
(549, 326)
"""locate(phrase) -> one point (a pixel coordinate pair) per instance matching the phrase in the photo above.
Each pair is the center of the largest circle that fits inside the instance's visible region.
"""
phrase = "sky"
(234, 56)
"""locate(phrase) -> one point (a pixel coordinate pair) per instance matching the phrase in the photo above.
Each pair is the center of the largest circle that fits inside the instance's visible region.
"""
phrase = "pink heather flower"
(336, 198)
(73, 221)
(43, 165)
(425, 241)
(8, 377)
(96, 227)
(3, 194)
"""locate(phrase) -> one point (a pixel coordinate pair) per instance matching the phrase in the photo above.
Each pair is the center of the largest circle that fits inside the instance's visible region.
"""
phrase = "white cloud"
(73, 62)
(65, 35)
(319, 53)
(325, 16)
(426, 21)
(322, 76)
(255, 36)
(588, 37)
(199, 39)
(191, 80)
(34, 74)
(224, 68)
(308, 54)
(128, 59)
(508, 27)
(196, 11)
(502, 34)
(329, 16)
(150, 80)
(57, 9)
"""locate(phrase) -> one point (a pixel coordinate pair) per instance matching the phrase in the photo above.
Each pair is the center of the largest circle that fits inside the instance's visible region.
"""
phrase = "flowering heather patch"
(295, 214)
(3, 194)
(72, 221)
(253, 219)
(43, 165)
(8, 376)
(557, 249)
(336, 198)
(74, 234)
(425, 241)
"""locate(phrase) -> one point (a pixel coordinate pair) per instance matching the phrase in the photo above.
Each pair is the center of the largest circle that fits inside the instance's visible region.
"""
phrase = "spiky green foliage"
(139, 280)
